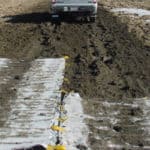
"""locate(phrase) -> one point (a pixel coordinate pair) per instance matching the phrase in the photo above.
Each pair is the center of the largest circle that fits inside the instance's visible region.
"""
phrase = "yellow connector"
(50, 147)
(60, 147)
(66, 57)
(57, 128)
(57, 147)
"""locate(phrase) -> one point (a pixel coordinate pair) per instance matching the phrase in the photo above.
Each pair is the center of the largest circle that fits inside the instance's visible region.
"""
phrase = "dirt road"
(106, 61)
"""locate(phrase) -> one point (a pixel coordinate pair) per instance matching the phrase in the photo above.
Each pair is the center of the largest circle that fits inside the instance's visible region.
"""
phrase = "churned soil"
(138, 25)
(105, 59)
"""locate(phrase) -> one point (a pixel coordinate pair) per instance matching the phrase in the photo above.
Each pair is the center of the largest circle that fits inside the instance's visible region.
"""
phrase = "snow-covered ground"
(76, 130)
(133, 11)
(34, 111)
(4, 63)
(122, 124)
(139, 12)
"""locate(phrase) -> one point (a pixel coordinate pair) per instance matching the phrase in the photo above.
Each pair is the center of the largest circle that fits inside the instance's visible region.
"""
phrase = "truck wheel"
(92, 19)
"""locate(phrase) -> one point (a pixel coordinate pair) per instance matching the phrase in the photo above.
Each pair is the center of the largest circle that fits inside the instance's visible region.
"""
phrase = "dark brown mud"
(105, 60)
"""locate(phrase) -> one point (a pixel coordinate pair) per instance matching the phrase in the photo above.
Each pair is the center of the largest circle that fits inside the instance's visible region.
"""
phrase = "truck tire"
(93, 19)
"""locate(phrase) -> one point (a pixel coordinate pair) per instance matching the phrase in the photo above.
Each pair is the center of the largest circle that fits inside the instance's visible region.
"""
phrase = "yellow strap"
(66, 57)
(57, 128)
(57, 147)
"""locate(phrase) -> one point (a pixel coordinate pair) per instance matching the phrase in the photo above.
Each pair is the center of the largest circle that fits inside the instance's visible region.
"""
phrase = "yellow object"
(66, 57)
(57, 128)
(62, 119)
(66, 80)
(49, 147)
(61, 107)
(57, 147)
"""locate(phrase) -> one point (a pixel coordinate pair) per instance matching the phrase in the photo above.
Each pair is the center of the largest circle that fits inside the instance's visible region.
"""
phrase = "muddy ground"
(136, 24)
(106, 61)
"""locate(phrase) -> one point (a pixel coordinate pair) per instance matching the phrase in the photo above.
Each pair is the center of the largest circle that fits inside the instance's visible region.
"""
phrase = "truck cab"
(77, 8)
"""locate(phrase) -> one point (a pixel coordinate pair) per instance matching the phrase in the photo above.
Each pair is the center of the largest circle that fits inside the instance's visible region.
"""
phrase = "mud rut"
(105, 60)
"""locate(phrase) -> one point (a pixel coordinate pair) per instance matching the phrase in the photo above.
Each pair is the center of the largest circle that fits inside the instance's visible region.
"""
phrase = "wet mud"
(105, 62)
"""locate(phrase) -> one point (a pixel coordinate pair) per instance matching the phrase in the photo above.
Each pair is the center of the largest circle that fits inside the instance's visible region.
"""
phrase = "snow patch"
(139, 12)
(4, 63)
(145, 105)
(147, 21)
(76, 129)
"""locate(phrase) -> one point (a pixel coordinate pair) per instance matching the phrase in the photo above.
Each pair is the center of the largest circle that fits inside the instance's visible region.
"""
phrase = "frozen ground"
(3, 67)
(76, 132)
(3, 63)
(136, 11)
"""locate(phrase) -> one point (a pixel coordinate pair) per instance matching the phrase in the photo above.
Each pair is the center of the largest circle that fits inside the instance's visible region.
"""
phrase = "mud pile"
(105, 60)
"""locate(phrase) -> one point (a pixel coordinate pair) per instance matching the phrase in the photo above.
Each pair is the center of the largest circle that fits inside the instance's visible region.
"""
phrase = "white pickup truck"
(83, 8)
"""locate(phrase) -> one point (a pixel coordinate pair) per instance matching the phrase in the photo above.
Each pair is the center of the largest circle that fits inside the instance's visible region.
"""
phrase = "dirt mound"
(137, 23)
(105, 60)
